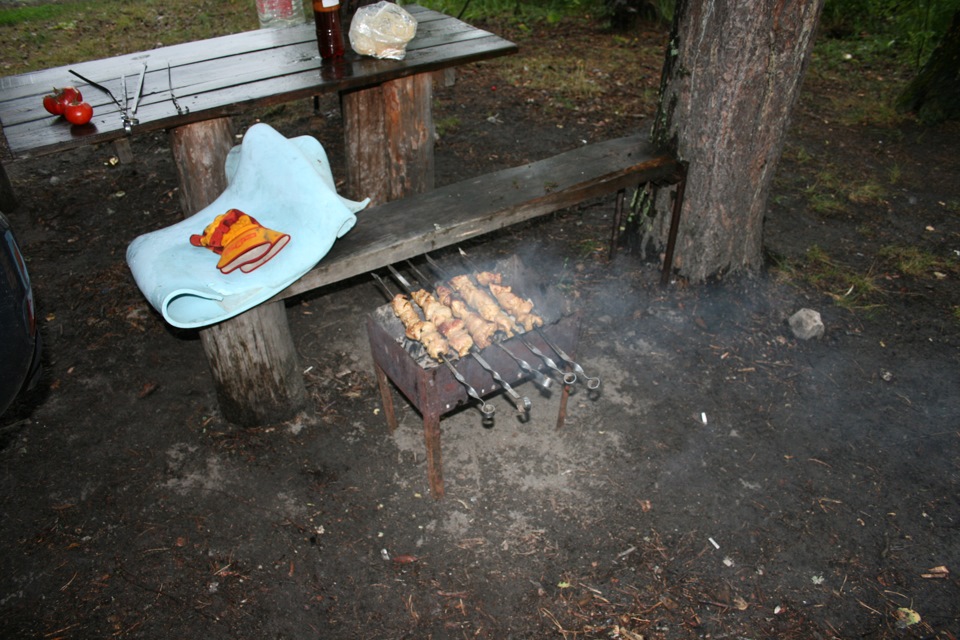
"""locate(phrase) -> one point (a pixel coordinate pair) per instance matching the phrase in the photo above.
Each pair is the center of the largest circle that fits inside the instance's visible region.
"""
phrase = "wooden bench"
(408, 227)
(424, 222)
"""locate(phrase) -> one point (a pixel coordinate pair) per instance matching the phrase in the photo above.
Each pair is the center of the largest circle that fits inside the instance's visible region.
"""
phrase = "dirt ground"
(729, 480)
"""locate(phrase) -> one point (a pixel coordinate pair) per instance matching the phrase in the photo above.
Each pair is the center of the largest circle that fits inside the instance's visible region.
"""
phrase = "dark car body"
(19, 338)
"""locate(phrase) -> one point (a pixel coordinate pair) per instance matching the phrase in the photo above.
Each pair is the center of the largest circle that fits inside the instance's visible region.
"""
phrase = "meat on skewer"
(510, 302)
(516, 306)
(460, 340)
(485, 278)
(442, 316)
(486, 306)
(408, 316)
(520, 309)
(433, 309)
(482, 331)
(416, 329)
(455, 332)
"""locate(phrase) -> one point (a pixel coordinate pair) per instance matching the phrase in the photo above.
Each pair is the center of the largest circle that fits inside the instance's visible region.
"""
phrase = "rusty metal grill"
(434, 391)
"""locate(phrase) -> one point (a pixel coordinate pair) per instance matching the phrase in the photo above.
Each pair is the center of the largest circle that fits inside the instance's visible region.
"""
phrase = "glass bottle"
(279, 13)
(326, 13)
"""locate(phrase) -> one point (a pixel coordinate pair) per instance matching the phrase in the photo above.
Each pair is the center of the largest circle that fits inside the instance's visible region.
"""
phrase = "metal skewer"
(486, 408)
(98, 86)
(522, 404)
(129, 114)
(536, 375)
(128, 117)
(568, 377)
(592, 382)
(139, 94)
(180, 110)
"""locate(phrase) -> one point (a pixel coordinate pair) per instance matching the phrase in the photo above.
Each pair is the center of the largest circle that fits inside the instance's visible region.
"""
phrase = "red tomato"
(57, 102)
(53, 105)
(68, 95)
(78, 113)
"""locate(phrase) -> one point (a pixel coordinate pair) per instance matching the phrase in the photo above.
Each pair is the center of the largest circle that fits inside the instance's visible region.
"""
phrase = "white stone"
(806, 324)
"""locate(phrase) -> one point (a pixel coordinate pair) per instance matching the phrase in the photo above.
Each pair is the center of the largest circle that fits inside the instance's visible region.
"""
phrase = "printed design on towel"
(240, 241)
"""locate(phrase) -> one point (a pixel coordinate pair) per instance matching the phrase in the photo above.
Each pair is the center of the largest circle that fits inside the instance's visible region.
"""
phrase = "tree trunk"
(934, 95)
(731, 77)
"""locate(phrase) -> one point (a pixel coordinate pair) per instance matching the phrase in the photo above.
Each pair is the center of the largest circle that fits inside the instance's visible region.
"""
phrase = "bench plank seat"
(452, 214)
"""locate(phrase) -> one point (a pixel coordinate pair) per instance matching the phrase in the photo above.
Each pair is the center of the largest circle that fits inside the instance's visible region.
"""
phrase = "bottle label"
(330, 3)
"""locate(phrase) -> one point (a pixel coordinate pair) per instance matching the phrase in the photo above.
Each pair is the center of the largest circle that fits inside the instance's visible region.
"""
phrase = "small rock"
(806, 324)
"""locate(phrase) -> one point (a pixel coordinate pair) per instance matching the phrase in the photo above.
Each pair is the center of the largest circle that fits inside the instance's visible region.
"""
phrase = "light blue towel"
(287, 185)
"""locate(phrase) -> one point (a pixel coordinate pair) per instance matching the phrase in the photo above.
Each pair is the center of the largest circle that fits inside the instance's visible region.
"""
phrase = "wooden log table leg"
(252, 356)
(389, 139)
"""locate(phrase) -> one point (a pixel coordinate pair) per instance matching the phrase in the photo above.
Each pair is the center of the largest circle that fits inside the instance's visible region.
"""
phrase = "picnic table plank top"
(220, 77)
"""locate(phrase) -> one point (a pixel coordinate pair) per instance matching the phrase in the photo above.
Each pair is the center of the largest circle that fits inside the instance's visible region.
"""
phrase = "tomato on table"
(60, 99)
(78, 113)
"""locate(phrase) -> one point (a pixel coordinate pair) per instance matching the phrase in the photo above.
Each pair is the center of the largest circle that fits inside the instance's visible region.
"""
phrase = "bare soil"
(729, 480)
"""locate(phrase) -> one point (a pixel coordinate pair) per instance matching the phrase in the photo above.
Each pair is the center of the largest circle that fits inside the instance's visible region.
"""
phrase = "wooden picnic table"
(192, 90)
(233, 74)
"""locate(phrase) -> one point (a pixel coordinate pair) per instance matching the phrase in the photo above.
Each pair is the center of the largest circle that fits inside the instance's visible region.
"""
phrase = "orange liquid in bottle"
(329, 30)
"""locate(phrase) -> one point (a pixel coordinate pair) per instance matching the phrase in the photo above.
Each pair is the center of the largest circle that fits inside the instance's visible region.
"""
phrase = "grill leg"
(562, 414)
(386, 398)
(431, 437)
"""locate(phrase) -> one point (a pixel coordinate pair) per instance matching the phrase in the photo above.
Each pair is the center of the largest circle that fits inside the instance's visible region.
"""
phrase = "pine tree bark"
(731, 77)
(934, 95)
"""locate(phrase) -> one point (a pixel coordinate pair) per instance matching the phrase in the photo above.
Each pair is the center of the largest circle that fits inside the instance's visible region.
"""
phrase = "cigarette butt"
(703, 417)
(714, 543)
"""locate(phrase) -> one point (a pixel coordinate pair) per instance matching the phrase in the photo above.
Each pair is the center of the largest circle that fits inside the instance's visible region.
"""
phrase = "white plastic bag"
(382, 30)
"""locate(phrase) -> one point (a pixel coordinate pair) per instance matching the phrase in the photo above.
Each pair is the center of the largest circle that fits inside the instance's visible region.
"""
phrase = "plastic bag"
(382, 30)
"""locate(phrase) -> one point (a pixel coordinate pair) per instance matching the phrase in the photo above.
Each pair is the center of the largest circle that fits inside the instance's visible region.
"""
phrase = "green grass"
(565, 74)
(589, 248)
(857, 289)
(575, 78)
(446, 125)
(23, 15)
(858, 80)
(914, 261)
(847, 287)
(831, 190)
(544, 10)
(866, 192)
(44, 35)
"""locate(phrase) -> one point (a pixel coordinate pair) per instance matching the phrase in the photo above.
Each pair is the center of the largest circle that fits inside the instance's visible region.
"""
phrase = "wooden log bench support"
(424, 222)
